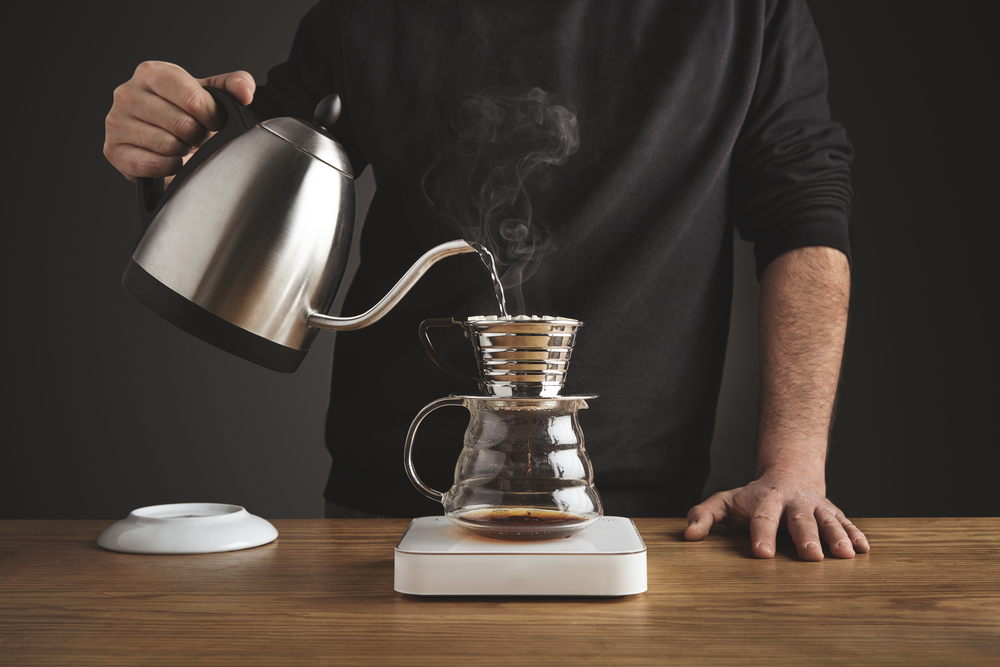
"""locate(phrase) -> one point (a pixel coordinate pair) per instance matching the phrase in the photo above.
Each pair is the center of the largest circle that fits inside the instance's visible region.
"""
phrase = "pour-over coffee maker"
(523, 473)
(523, 480)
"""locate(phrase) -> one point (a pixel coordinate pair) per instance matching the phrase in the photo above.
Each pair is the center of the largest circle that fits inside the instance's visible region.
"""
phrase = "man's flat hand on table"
(769, 503)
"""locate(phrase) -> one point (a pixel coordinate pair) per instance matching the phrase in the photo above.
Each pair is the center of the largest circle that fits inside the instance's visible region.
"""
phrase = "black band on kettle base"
(207, 326)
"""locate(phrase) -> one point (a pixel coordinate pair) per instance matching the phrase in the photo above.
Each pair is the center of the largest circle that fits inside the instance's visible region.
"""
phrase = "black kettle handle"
(239, 119)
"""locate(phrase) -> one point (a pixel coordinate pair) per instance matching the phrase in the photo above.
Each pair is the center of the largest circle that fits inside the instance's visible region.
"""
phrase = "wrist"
(799, 479)
(799, 463)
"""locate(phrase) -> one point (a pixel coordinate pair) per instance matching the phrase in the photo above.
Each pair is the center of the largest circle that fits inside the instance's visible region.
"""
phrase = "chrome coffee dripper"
(523, 472)
(516, 357)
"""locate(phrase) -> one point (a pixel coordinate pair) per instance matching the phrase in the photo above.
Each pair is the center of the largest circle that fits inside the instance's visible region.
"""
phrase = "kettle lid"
(312, 139)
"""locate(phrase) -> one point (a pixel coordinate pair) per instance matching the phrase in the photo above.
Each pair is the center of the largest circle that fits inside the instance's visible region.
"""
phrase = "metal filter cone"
(522, 358)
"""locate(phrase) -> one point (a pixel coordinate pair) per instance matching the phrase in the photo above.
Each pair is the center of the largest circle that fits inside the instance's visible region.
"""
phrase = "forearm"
(804, 296)
(803, 319)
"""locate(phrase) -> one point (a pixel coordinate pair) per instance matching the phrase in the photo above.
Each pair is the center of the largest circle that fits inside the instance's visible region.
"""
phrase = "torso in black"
(694, 119)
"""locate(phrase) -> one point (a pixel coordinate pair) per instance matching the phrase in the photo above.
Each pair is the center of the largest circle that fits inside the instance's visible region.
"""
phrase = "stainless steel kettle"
(248, 245)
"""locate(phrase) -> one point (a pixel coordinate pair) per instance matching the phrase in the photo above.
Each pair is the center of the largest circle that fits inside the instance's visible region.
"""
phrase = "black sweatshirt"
(692, 118)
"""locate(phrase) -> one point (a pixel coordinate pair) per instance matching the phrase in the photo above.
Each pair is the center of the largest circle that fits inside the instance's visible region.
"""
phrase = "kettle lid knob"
(327, 111)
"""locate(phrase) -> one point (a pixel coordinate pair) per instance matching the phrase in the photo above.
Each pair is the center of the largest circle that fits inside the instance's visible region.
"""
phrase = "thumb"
(703, 516)
(239, 84)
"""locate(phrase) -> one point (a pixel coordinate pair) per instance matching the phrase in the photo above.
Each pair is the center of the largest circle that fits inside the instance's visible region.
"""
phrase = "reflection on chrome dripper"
(522, 356)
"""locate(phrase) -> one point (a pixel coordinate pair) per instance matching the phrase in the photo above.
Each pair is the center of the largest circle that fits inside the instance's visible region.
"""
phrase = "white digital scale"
(436, 557)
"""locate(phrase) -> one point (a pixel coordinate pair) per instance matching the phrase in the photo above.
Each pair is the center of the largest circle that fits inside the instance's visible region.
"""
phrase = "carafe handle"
(411, 472)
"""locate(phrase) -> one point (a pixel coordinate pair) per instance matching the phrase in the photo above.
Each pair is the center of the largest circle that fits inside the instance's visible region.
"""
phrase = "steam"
(483, 182)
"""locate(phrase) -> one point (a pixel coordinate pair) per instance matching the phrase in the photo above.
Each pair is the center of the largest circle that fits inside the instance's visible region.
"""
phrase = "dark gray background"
(109, 408)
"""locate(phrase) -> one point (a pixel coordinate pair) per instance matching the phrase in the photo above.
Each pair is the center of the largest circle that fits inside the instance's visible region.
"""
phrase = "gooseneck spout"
(429, 258)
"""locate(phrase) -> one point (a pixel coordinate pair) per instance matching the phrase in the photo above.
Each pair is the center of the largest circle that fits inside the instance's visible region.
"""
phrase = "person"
(693, 120)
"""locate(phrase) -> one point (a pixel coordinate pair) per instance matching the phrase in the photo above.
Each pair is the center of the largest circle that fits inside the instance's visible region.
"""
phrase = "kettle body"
(247, 247)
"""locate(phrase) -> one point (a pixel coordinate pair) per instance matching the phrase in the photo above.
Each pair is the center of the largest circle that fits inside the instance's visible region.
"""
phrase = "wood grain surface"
(927, 594)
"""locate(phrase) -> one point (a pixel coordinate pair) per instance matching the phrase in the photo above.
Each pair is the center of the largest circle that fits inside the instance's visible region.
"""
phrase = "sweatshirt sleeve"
(790, 175)
(312, 71)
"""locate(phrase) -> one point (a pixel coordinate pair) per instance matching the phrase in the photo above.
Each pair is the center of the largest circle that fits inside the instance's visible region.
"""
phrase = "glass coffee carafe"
(523, 473)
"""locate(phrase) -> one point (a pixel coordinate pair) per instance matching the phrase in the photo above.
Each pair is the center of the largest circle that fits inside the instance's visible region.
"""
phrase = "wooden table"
(928, 593)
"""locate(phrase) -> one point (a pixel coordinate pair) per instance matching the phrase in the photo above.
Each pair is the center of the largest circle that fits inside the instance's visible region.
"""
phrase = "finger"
(802, 527)
(134, 162)
(764, 523)
(703, 516)
(136, 132)
(854, 534)
(136, 101)
(180, 89)
(239, 84)
(831, 530)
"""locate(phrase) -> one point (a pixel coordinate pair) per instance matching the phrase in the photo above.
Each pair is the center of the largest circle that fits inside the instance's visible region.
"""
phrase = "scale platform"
(436, 557)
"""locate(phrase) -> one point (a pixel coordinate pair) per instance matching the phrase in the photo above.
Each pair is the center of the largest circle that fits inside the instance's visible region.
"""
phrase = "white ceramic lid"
(187, 528)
